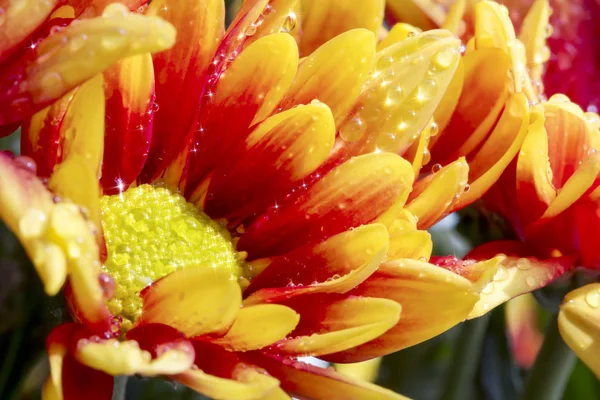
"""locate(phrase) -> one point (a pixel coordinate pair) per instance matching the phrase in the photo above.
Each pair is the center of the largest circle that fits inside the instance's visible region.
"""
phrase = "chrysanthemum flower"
(549, 191)
(223, 208)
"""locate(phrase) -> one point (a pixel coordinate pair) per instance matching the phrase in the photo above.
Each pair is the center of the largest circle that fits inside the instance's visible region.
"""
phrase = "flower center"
(150, 232)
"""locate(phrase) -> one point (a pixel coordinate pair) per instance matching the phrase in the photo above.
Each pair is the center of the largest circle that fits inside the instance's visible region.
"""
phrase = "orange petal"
(193, 300)
(330, 324)
(499, 149)
(578, 322)
(180, 74)
(19, 20)
(129, 87)
(425, 14)
(281, 151)
(350, 195)
(246, 93)
(126, 358)
(334, 266)
(432, 298)
(484, 92)
(436, 194)
(523, 332)
(443, 113)
(307, 381)
(398, 100)
(320, 77)
(259, 326)
(324, 19)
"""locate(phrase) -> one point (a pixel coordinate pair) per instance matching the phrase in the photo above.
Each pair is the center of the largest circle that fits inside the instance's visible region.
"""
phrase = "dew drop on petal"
(592, 298)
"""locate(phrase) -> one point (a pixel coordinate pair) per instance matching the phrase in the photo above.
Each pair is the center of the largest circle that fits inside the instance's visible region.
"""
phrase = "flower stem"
(120, 388)
(465, 361)
(549, 375)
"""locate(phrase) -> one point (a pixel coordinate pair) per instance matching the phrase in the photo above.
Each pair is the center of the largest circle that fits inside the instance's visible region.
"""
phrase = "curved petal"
(320, 77)
(533, 34)
(485, 89)
(523, 332)
(281, 151)
(336, 265)
(126, 358)
(180, 75)
(246, 93)
(130, 107)
(329, 324)
(435, 195)
(432, 298)
(259, 326)
(426, 14)
(399, 31)
(409, 79)
(335, 203)
(579, 324)
(305, 380)
(322, 20)
(91, 46)
(193, 300)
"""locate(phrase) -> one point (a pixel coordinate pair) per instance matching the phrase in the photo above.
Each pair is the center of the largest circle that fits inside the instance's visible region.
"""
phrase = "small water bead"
(426, 156)
(434, 129)
(290, 22)
(466, 188)
(549, 30)
(445, 58)
(353, 129)
(530, 281)
(523, 264)
(251, 30)
(593, 119)
(150, 232)
(436, 167)
(488, 289)
(592, 298)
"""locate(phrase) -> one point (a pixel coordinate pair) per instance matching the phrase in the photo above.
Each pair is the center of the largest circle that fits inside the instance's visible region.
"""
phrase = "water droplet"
(26, 163)
(500, 275)
(531, 281)
(467, 188)
(488, 289)
(592, 298)
(445, 58)
(436, 167)
(410, 34)
(426, 156)
(52, 81)
(434, 129)
(549, 30)
(251, 30)
(290, 22)
(353, 129)
(523, 264)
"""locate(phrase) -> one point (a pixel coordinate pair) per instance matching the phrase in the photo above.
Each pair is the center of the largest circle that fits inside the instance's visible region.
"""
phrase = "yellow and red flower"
(223, 207)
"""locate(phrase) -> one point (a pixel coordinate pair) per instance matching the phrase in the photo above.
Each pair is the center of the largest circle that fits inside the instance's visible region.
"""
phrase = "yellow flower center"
(150, 232)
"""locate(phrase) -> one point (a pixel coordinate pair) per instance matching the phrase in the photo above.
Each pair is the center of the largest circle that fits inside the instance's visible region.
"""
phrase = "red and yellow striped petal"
(498, 151)
(432, 299)
(246, 93)
(304, 380)
(579, 324)
(54, 68)
(320, 77)
(334, 266)
(210, 301)
(129, 87)
(524, 334)
(484, 92)
(258, 326)
(330, 323)
(282, 150)
(322, 20)
(350, 195)
(180, 75)
(435, 195)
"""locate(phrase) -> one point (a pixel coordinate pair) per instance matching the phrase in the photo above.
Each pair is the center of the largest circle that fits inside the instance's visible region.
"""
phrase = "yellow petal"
(126, 358)
(249, 384)
(416, 245)
(365, 371)
(533, 34)
(325, 19)
(425, 14)
(579, 324)
(320, 77)
(398, 32)
(259, 326)
(454, 19)
(193, 300)
(92, 46)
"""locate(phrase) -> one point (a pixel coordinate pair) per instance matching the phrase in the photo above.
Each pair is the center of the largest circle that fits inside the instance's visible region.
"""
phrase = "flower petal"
(409, 79)
(433, 300)
(322, 20)
(497, 152)
(126, 358)
(246, 93)
(335, 203)
(523, 332)
(91, 46)
(305, 380)
(228, 379)
(435, 195)
(129, 87)
(19, 20)
(259, 326)
(426, 14)
(485, 89)
(320, 77)
(533, 34)
(193, 300)
(578, 322)
(180, 75)
(335, 265)
(329, 323)
(282, 150)
(399, 31)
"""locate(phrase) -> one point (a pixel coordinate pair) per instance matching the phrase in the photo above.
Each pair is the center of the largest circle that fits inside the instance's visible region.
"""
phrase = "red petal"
(157, 338)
